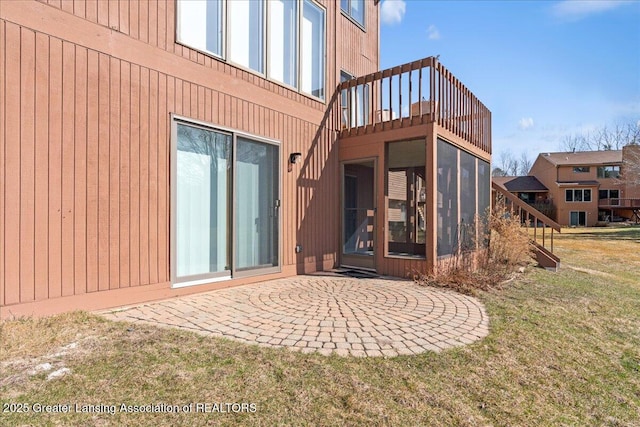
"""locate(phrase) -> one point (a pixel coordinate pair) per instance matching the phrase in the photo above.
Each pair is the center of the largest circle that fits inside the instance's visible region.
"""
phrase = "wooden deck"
(416, 93)
(617, 205)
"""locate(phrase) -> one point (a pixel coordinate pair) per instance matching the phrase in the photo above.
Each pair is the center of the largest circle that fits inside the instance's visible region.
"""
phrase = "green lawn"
(564, 349)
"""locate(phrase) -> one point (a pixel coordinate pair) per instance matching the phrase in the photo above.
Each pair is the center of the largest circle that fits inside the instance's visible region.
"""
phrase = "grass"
(564, 350)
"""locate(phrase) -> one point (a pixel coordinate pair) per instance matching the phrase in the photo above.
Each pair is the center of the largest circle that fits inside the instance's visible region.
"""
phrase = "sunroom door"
(359, 209)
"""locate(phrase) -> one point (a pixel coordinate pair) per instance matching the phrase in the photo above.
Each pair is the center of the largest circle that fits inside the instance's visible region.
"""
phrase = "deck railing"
(418, 92)
(620, 203)
(530, 217)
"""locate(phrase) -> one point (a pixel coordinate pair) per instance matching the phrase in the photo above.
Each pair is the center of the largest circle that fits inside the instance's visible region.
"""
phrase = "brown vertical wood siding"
(362, 56)
(87, 89)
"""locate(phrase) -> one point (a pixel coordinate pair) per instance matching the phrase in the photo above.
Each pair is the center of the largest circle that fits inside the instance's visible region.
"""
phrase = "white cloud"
(433, 32)
(525, 123)
(574, 10)
(392, 11)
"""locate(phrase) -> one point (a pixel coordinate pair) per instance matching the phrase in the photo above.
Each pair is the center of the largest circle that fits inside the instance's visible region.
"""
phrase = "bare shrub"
(497, 248)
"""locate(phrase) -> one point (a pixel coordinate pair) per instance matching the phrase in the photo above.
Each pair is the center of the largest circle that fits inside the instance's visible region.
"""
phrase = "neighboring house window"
(581, 169)
(354, 9)
(246, 33)
(609, 172)
(283, 41)
(312, 50)
(609, 194)
(358, 97)
(199, 25)
(236, 30)
(578, 218)
(577, 195)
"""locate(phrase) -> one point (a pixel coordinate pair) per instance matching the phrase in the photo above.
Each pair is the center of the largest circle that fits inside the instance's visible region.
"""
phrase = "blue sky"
(545, 69)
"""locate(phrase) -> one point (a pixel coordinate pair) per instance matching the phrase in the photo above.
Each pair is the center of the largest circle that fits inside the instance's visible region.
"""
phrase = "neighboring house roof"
(589, 183)
(583, 157)
(519, 184)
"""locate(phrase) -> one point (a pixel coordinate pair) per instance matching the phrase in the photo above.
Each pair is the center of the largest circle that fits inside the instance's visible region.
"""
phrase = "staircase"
(543, 246)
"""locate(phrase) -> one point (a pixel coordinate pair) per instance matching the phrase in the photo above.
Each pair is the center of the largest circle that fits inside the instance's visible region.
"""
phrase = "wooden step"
(545, 258)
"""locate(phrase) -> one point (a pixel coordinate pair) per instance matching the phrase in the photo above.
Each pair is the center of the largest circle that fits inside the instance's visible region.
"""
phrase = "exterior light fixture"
(293, 158)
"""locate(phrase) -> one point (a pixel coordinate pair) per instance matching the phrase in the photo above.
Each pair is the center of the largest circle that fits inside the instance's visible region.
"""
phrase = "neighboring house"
(158, 148)
(580, 188)
(529, 190)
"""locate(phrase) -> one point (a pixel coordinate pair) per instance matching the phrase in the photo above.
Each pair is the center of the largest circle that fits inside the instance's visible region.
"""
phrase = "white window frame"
(296, 86)
(348, 12)
(356, 97)
(609, 169)
(224, 55)
(573, 192)
(578, 212)
(223, 44)
(324, 50)
(227, 39)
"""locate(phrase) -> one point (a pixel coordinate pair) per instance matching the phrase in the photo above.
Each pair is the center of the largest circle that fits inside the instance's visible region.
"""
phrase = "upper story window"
(200, 25)
(312, 50)
(577, 195)
(581, 169)
(283, 40)
(246, 33)
(609, 194)
(358, 98)
(609, 172)
(354, 9)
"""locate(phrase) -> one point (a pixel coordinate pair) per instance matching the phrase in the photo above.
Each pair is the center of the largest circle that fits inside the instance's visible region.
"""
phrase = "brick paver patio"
(327, 314)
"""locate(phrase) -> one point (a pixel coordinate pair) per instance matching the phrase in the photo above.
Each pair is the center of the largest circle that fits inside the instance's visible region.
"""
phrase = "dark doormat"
(357, 274)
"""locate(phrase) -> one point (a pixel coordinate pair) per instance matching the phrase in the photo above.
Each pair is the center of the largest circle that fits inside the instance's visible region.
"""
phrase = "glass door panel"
(358, 244)
(203, 178)
(256, 205)
(578, 218)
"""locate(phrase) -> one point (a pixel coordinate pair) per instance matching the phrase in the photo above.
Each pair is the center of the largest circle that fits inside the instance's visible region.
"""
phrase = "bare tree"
(572, 143)
(524, 164)
(509, 165)
(606, 138)
(498, 172)
(630, 172)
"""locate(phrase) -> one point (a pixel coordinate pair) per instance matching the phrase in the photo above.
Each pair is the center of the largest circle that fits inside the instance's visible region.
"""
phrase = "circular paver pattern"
(327, 314)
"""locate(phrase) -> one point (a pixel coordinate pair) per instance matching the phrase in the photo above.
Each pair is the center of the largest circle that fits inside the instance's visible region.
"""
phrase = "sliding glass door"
(203, 184)
(225, 202)
(256, 205)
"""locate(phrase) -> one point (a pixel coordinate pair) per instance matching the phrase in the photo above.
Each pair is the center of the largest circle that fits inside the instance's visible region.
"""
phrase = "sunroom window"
(407, 195)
